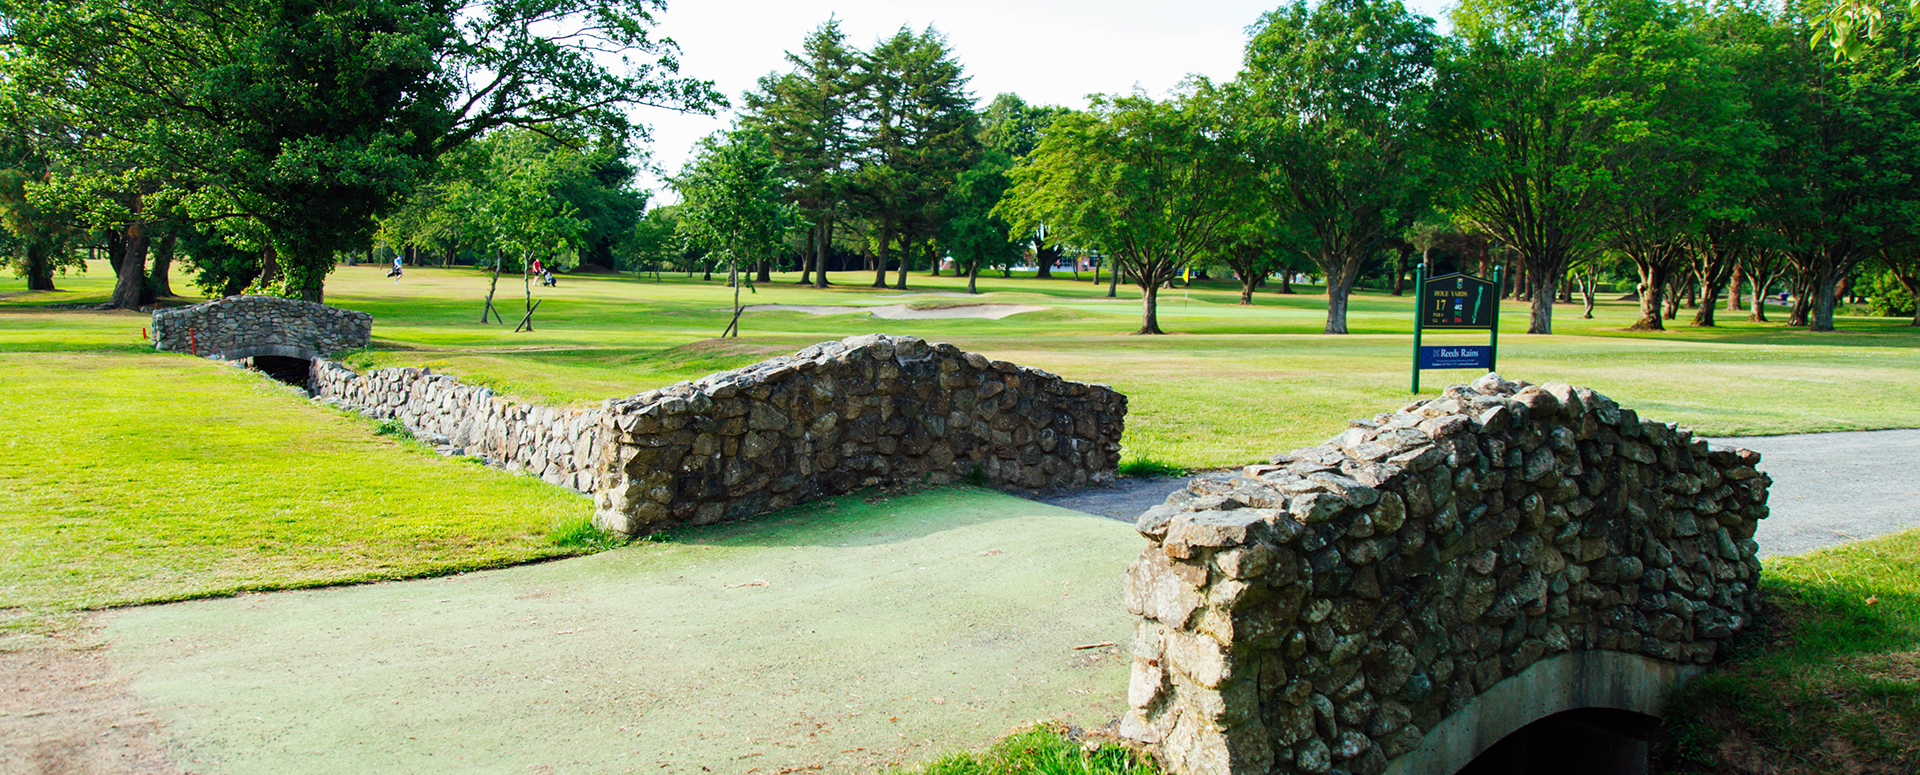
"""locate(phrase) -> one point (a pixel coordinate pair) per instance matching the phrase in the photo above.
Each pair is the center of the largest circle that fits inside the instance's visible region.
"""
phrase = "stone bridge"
(1405, 596)
(832, 418)
(243, 327)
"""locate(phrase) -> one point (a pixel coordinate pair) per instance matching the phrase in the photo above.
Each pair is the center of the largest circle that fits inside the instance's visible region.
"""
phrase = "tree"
(314, 117)
(808, 117)
(973, 233)
(1145, 182)
(1012, 127)
(1340, 95)
(1521, 106)
(732, 200)
(917, 132)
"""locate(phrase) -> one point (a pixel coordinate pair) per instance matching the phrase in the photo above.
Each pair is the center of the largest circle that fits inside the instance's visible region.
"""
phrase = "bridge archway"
(1591, 703)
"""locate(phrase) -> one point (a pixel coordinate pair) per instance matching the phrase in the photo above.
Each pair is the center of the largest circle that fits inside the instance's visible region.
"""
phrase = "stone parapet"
(558, 445)
(1323, 613)
(839, 416)
(833, 418)
(244, 326)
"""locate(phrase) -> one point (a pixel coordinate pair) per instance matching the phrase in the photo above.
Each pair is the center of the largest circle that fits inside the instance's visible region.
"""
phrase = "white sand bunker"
(903, 312)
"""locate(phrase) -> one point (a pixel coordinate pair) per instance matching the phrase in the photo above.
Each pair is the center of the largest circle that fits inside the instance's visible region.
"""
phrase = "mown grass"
(135, 477)
(139, 478)
(1830, 681)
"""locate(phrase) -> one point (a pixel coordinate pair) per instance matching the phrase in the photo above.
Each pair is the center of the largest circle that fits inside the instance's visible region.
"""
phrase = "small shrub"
(1045, 749)
(1886, 298)
(976, 477)
(394, 428)
(580, 533)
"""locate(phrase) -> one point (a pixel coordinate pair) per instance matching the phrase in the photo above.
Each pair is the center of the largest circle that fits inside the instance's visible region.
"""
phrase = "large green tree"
(1146, 182)
(733, 202)
(1340, 96)
(808, 116)
(917, 131)
(313, 117)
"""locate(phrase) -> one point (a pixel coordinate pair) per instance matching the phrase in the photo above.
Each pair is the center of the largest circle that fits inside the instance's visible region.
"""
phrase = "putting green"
(841, 636)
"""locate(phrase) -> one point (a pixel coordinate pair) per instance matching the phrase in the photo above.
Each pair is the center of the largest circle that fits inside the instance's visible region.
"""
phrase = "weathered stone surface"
(832, 418)
(1385, 578)
(238, 327)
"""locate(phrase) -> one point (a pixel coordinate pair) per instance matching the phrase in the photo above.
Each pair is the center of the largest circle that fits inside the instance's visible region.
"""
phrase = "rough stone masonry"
(245, 326)
(1322, 613)
(832, 418)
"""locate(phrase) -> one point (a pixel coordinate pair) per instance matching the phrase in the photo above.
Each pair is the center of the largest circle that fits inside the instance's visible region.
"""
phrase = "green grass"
(1044, 749)
(139, 478)
(1829, 683)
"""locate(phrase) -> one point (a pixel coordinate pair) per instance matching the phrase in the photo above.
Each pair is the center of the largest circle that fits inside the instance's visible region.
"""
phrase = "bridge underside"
(1589, 682)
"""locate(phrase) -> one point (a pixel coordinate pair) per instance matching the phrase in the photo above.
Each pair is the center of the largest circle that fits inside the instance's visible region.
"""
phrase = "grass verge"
(144, 478)
(1044, 749)
(1829, 682)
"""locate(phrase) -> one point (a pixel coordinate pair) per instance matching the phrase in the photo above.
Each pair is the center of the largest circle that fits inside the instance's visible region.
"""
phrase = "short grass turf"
(133, 478)
(844, 636)
(1829, 680)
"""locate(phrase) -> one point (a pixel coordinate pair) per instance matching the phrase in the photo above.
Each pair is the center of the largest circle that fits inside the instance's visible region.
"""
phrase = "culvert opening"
(293, 371)
(1583, 741)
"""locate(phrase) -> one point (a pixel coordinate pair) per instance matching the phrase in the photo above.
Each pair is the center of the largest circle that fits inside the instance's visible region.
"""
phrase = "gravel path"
(1828, 489)
(1835, 488)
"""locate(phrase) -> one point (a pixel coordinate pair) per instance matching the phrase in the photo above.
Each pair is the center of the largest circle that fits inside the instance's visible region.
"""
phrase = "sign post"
(1457, 302)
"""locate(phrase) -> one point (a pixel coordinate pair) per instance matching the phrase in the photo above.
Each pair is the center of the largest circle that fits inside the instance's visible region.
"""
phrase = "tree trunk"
(132, 283)
(491, 287)
(162, 262)
(1802, 286)
(1247, 284)
(1339, 286)
(822, 244)
(807, 258)
(1733, 286)
(765, 275)
(1653, 289)
(1113, 281)
(1286, 280)
(1541, 319)
(116, 249)
(973, 274)
(1149, 308)
(1709, 301)
(886, 252)
(1587, 288)
(1400, 271)
(1043, 256)
(39, 266)
(1827, 282)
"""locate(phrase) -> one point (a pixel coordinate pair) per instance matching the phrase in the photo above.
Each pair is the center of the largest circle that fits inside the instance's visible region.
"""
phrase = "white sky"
(1047, 51)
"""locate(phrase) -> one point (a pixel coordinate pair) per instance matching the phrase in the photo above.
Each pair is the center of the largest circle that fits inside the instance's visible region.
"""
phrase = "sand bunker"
(903, 312)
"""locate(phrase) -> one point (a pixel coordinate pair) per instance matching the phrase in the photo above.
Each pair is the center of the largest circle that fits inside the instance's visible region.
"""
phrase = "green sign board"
(1457, 301)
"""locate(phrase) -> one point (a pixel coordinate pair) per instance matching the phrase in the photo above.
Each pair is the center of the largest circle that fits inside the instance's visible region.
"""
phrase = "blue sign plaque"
(1457, 357)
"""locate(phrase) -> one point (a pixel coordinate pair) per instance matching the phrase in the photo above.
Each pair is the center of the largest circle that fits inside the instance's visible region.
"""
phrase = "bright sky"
(1047, 51)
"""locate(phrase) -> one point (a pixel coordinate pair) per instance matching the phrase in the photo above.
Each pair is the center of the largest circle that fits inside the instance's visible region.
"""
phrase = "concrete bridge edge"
(1569, 681)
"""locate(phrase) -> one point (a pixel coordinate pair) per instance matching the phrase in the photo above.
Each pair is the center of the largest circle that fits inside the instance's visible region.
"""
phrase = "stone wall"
(246, 326)
(839, 416)
(557, 445)
(833, 418)
(1323, 613)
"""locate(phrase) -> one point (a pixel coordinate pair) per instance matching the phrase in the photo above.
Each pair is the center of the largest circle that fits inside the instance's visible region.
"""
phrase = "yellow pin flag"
(1187, 276)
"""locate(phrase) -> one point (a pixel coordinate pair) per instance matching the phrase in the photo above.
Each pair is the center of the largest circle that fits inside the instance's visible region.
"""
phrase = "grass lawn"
(135, 477)
(130, 478)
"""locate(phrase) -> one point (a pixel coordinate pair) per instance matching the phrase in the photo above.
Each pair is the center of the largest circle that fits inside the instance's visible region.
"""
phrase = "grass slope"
(141, 478)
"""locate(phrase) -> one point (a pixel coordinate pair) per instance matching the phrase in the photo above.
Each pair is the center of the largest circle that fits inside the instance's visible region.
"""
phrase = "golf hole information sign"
(1454, 302)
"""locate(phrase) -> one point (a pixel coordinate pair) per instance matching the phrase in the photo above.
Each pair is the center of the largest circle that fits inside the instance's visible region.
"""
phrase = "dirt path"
(844, 638)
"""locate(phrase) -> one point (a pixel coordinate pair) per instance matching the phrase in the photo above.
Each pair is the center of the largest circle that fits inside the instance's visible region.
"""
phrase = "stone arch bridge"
(274, 334)
(1405, 596)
